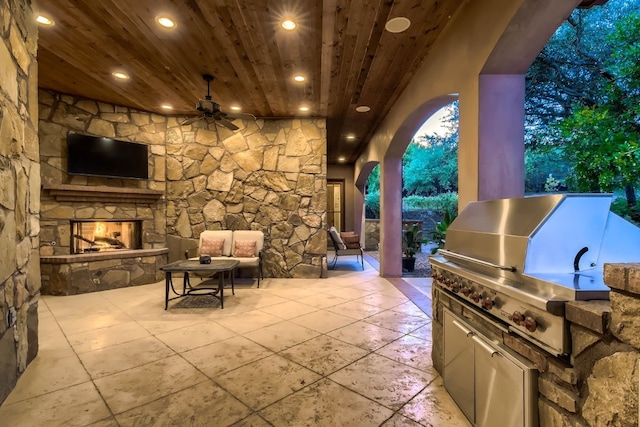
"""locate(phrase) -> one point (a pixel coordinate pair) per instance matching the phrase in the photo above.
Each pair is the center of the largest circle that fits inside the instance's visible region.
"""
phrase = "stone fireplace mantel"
(84, 193)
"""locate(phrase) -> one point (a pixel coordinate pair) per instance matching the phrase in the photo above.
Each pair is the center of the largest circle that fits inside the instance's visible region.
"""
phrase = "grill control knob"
(466, 291)
(517, 318)
(447, 282)
(530, 324)
(455, 287)
(475, 296)
(487, 303)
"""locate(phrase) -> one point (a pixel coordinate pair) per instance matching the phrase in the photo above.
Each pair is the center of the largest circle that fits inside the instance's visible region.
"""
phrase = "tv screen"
(100, 156)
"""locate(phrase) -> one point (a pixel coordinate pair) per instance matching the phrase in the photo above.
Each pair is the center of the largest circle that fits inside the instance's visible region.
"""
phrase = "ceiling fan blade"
(226, 123)
(191, 120)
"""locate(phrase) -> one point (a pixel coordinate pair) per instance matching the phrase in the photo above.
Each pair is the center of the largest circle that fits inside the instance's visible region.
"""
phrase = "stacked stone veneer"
(597, 385)
(19, 193)
(61, 275)
(269, 175)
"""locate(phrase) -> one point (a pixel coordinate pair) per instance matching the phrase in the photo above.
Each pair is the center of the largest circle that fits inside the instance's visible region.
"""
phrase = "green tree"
(430, 164)
(601, 138)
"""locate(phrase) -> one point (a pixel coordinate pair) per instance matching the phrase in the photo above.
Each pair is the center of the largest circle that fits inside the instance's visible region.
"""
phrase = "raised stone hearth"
(97, 271)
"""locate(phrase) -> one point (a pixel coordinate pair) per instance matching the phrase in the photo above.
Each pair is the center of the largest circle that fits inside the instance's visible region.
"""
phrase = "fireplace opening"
(105, 235)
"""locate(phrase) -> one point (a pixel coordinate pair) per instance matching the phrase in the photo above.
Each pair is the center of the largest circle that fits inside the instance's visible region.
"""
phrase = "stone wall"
(268, 175)
(19, 193)
(597, 385)
(60, 114)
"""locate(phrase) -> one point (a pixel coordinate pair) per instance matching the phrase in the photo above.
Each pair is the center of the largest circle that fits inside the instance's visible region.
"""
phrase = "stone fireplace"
(96, 237)
(107, 235)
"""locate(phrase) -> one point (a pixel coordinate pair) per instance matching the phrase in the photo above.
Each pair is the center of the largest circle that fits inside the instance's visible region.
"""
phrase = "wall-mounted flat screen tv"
(106, 157)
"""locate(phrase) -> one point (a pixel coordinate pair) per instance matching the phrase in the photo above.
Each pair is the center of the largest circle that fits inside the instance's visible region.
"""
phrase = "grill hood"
(557, 244)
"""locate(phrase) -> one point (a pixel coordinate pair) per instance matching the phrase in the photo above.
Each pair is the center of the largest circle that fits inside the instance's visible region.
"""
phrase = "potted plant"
(411, 244)
(439, 234)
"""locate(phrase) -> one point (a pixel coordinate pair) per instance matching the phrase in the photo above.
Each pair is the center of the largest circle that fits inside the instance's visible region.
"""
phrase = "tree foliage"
(602, 138)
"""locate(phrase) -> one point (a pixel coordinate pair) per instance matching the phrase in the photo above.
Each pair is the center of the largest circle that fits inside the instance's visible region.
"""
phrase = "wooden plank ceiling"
(340, 46)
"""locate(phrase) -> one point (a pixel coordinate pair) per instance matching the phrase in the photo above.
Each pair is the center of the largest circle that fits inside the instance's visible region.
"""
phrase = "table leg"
(185, 282)
(221, 289)
(167, 279)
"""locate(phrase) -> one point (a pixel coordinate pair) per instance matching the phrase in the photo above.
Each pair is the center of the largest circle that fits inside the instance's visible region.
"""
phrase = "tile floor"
(349, 350)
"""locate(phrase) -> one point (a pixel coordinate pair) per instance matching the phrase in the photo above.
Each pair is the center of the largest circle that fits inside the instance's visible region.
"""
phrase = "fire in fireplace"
(105, 235)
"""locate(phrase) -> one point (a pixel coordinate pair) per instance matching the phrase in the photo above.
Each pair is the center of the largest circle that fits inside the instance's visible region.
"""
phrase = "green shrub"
(445, 202)
(372, 205)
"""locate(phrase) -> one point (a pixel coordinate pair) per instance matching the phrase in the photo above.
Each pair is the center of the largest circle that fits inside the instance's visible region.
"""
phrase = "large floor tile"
(355, 309)
(218, 358)
(78, 405)
(365, 335)
(249, 321)
(281, 335)
(326, 403)
(293, 293)
(45, 375)
(424, 332)
(205, 404)
(194, 336)
(324, 354)
(411, 351)
(71, 324)
(397, 321)
(122, 357)
(106, 337)
(434, 407)
(322, 300)
(137, 386)
(289, 310)
(256, 298)
(254, 420)
(265, 381)
(323, 321)
(389, 383)
(382, 300)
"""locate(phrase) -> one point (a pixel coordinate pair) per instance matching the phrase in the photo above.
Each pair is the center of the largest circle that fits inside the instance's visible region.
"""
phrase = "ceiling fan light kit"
(211, 110)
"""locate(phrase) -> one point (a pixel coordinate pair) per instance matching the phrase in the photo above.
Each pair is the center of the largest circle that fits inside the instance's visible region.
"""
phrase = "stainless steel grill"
(521, 259)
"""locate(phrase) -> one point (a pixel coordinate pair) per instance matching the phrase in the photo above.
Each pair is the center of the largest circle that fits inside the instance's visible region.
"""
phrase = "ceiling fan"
(211, 110)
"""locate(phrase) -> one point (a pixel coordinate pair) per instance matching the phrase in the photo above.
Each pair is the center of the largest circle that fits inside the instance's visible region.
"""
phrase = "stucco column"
(391, 217)
(501, 136)
(358, 212)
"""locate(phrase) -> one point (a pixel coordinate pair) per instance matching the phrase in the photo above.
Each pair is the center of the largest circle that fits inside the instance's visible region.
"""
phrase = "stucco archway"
(484, 64)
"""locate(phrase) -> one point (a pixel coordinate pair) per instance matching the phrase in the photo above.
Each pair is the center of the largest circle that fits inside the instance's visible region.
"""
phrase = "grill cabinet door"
(458, 364)
(500, 384)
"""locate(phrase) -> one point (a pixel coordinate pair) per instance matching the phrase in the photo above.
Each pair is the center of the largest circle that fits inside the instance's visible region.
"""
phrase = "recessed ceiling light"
(298, 78)
(341, 159)
(351, 136)
(165, 22)
(288, 24)
(397, 25)
(363, 108)
(235, 108)
(304, 108)
(166, 107)
(120, 75)
(41, 19)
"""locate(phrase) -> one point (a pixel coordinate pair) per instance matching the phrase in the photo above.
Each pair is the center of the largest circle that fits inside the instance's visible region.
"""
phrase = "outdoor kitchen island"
(521, 294)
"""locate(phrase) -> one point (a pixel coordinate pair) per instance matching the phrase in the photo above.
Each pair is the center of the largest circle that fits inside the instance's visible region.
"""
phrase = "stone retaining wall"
(598, 384)
(19, 193)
